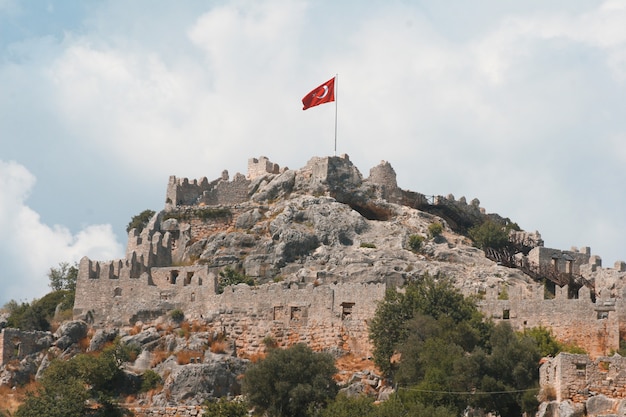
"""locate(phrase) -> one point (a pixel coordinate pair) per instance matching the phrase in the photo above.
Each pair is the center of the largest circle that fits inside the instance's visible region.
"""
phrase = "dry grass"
(184, 357)
(11, 399)
(218, 346)
(255, 357)
(159, 356)
(199, 327)
(136, 329)
(83, 344)
(350, 364)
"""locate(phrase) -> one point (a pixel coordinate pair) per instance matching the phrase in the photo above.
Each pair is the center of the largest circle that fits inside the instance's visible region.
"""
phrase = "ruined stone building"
(297, 233)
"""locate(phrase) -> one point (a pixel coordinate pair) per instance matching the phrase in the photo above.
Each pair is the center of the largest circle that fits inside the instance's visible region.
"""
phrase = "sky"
(519, 104)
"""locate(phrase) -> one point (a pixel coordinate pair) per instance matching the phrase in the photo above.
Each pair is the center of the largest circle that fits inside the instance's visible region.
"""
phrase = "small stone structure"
(16, 344)
(577, 377)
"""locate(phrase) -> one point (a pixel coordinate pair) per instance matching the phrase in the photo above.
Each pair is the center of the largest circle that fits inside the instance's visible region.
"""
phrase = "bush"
(150, 380)
(291, 382)
(490, 235)
(368, 245)
(140, 221)
(225, 408)
(177, 315)
(415, 242)
(228, 276)
(435, 229)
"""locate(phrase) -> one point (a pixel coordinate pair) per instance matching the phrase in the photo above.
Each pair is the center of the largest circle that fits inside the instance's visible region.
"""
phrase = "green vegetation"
(225, 408)
(415, 242)
(140, 221)
(547, 344)
(39, 314)
(404, 403)
(177, 315)
(150, 380)
(448, 351)
(368, 245)
(85, 385)
(435, 229)
(291, 382)
(202, 213)
(64, 277)
(490, 235)
(228, 276)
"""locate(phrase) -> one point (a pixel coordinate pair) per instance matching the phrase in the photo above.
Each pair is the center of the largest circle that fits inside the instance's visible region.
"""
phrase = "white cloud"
(30, 248)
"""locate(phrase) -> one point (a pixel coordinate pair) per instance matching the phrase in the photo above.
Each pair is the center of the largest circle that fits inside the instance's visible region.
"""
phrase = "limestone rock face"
(191, 384)
(70, 333)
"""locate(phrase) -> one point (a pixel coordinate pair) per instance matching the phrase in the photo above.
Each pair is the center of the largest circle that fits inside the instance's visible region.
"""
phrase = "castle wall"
(16, 344)
(118, 298)
(577, 377)
(226, 193)
(560, 260)
(323, 317)
(576, 321)
(260, 167)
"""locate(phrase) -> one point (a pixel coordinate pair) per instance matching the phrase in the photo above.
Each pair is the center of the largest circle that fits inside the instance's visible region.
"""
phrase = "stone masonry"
(16, 344)
(155, 276)
(576, 377)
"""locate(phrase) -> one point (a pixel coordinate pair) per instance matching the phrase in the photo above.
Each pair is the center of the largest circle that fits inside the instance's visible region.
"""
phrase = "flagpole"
(336, 99)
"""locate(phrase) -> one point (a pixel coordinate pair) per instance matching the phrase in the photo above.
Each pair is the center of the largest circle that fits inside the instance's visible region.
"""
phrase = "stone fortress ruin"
(177, 260)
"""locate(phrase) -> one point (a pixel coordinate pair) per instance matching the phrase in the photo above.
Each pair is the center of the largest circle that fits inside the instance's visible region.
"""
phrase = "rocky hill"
(284, 256)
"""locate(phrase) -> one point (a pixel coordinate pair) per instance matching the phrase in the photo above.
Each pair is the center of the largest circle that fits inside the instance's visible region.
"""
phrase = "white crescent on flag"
(325, 87)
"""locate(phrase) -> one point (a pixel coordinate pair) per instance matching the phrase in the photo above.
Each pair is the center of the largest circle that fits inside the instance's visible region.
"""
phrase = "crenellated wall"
(578, 321)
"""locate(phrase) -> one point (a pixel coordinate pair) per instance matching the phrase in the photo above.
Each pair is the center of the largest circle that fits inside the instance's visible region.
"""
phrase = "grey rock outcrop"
(216, 377)
(70, 333)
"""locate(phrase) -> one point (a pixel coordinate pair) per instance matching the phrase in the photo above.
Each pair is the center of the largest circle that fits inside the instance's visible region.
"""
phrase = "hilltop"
(281, 256)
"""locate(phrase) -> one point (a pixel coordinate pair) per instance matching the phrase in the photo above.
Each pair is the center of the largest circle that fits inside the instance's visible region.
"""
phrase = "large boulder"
(599, 404)
(191, 384)
(70, 333)
(102, 337)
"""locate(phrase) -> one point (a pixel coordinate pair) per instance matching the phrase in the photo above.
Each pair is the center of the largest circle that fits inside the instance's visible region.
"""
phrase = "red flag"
(325, 93)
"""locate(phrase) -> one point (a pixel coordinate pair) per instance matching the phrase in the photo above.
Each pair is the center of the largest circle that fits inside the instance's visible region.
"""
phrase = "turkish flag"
(325, 93)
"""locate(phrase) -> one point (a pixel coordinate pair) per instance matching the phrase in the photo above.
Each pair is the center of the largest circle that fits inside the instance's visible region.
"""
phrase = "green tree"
(289, 382)
(343, 406)
(85, 385)
(490, 234)
(427, 295)
(64, 277)
(510, 368)
(140, 221)
(27, 316)
(407, 403)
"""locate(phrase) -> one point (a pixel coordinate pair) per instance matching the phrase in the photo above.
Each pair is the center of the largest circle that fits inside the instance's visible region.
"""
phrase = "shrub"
(177, 315)
(140, 221)
(150, 380)
(435, 229)
(368, 245)
(489, 235)
(225, 408)
(290, 382)
(228, 276)
(415, 242)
